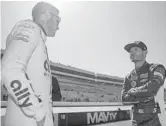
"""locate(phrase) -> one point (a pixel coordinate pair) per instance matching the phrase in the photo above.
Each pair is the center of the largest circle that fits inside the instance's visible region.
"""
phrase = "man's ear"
(47, 14)
(145, 53)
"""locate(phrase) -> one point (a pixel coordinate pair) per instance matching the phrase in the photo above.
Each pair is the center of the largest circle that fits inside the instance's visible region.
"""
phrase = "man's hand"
(131, 91)
(41, 122)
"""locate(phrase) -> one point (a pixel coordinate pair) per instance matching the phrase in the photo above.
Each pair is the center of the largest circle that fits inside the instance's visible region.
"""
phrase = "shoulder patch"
(159, 71)
(159, 75)
(153, 66)
(24, 31)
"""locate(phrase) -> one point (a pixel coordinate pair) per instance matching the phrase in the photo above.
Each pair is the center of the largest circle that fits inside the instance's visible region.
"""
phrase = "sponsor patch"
(161, 70)
(159, 74)
(145, 75)
(23, 31)
(133, 84)
(21, 93)
(143, 80)
(21, 37)
(134, 76)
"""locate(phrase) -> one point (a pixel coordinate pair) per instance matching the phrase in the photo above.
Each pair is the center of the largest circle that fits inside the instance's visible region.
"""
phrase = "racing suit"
(145, 87)
(26, 75)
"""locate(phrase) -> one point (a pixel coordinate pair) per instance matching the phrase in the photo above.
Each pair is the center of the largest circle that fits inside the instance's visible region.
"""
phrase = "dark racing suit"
(145, 87)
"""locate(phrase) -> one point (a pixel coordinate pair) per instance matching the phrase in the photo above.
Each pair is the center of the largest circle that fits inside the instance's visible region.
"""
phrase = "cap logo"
(137, 42)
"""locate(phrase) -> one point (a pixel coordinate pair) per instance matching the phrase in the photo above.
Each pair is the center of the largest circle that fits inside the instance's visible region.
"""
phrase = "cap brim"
(129, 46)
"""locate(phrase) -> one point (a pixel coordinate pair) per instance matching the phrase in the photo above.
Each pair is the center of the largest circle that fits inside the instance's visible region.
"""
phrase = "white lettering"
(99, 117)
(140, 111)
(113, 115)
(91, 119)
(154, 110)
(106, 116)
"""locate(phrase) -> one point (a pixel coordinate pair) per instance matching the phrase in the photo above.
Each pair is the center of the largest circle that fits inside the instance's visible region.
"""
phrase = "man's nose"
(132, 52)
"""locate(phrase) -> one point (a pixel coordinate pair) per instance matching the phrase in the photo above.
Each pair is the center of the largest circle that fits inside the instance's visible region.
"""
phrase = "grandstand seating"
(81, 85)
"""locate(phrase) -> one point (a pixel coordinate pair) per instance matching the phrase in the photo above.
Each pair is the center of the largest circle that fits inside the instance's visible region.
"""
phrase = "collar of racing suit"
(142, 67)
(43, 36)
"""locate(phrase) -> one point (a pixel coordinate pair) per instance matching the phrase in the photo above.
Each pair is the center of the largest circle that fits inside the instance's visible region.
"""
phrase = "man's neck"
(139, 64)
(40, 25)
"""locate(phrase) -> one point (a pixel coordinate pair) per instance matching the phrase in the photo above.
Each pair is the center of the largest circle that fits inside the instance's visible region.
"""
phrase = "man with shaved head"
(26, 70)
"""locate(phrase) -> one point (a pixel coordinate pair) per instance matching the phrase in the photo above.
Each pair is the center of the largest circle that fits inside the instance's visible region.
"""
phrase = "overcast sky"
(92, 35)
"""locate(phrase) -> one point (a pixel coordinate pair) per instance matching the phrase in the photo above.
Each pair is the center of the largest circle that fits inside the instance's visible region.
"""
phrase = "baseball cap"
(139, 44)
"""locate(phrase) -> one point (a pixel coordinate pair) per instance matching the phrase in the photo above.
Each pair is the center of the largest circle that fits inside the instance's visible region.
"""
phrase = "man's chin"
(51, 35)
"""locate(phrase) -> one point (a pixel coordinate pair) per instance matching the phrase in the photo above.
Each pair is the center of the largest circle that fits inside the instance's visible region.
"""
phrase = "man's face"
(136, 54)
(52, 25)
(49, 22)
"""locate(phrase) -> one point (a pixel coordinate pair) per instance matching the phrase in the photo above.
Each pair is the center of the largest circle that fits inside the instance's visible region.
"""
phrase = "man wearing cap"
(144, 86)
(26, 70)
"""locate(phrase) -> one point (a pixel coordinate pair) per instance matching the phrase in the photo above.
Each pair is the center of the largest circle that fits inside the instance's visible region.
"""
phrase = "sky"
(92, 35)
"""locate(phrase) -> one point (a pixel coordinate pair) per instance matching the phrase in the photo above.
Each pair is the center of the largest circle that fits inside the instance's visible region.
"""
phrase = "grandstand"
(84, 86)
(81, 85)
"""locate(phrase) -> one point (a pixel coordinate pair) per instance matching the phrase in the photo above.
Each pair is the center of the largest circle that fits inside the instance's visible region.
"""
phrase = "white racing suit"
(26, 75)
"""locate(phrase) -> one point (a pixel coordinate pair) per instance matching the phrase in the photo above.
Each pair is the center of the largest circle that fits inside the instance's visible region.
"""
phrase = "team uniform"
(26, 75)
(145, 87)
